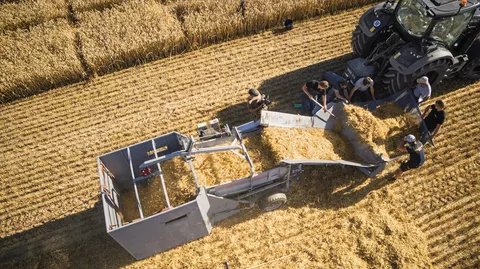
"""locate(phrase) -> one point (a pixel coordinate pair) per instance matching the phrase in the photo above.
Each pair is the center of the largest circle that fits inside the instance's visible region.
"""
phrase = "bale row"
(128, 34)
(114, 34)
(37, 59)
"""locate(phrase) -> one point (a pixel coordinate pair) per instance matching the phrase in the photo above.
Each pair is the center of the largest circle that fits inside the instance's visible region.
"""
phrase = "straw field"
(49, 211)
(27, 13)
(114, 34)
(37, 59)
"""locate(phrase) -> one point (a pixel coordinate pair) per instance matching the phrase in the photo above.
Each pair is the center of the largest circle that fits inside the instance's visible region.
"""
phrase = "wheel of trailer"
(472, 69)
(273, 201)
(394, 82)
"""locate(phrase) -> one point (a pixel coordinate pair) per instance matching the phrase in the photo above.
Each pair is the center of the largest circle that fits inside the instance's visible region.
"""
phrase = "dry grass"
(27, 13)
(383, 129)
(128, 34)
(85, 5)
(49, 197)
(38, 59)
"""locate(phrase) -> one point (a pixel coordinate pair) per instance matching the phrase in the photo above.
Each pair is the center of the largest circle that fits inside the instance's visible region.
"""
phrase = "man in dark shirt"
(435, 118)
(337, 83)
(255, 103)
(417, 155)
(310, 91)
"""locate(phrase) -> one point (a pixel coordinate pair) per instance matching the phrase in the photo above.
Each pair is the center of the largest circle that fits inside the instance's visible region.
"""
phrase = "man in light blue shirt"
(423, 90)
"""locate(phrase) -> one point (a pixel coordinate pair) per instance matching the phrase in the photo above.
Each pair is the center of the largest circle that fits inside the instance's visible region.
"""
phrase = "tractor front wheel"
(362, 45)
(273, 201)
(394, 82)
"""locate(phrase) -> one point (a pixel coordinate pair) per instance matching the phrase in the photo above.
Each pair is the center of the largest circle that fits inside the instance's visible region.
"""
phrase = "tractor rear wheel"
(394, 82)
(273, 201)
(472, 69)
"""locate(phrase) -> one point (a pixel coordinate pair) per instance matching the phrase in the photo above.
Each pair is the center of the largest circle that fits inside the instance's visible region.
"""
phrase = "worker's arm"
(351, 93)
(337, 94)
(345, 92)
(435, 132)
(372, 91)
(305, 90)
(402, 148)
(425, 112)
(324, 101)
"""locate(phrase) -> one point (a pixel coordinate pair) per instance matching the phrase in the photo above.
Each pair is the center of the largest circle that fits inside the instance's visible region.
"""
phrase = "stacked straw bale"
(128, 34)
(27, 13)
(37, 59)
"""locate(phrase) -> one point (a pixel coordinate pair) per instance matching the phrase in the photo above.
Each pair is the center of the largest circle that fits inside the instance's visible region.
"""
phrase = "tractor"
(400, 41)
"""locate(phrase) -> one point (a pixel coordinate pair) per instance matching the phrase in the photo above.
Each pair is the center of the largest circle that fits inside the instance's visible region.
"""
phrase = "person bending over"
(310, 91)
(423, 90)
(337, 83)
(417, 155)
(361, 87)
(255, 103)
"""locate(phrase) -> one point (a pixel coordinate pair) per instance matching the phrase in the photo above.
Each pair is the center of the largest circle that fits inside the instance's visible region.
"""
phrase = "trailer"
(174, 226)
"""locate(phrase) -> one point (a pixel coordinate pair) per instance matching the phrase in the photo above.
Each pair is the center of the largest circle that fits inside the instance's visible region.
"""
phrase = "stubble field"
(49, 211)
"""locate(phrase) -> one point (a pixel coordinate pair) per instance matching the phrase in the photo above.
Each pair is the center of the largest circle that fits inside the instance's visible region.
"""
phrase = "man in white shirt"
(362, 85)
(423, 90)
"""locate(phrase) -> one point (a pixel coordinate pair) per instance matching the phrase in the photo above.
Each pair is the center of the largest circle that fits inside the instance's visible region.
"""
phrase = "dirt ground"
(49, 211)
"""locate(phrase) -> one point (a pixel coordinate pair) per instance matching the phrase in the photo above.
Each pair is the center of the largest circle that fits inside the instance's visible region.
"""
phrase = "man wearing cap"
(435, 118)
(362, 85)
(417, 155)
(423, 90)
(336, 83)
(255, 103)
(310, 91)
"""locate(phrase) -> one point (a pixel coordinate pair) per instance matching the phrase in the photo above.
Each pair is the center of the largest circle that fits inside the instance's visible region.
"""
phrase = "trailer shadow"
(64, 243)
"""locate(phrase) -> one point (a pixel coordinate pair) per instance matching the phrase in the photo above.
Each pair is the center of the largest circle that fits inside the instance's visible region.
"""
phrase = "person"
(417, 155)
(337, 83)
(423, 90)
(435, 119)
(310, 91)
(362, 85)
(255, 103)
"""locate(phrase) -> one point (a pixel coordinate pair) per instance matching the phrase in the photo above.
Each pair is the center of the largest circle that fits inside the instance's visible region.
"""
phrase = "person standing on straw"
(310, 92)
(417, 155)
(435, 119)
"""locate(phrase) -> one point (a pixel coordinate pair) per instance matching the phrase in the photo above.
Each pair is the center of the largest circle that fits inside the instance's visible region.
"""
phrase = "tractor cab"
(400, 41)
(439, 20)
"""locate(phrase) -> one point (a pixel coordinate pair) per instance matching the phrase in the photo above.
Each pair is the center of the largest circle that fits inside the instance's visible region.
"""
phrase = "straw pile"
(27, 13)
(383, 129)
(128, 34)
(313, 143)
(38, 59)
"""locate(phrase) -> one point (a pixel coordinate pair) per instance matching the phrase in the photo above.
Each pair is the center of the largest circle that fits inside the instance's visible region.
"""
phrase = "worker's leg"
(306, 105)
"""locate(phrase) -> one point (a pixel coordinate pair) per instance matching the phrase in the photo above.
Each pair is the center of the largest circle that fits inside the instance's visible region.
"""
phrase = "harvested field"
(49, 207)
(382, 129)
(28, 13)
(37, 59)
(132, 33)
